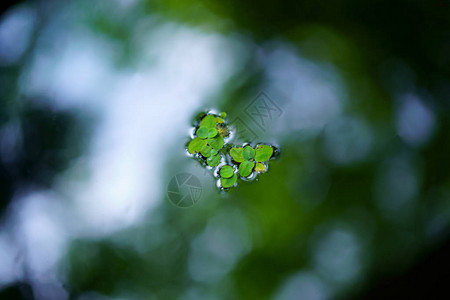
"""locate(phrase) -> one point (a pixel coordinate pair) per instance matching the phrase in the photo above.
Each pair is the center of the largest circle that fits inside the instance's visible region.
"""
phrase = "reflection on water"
(16, 28)
(313, 92)
(347, 140)
(96, 98)
(118, 178)
(415, 122)
(397, 185)
(337, 256)
(304, 285)
(215, 251)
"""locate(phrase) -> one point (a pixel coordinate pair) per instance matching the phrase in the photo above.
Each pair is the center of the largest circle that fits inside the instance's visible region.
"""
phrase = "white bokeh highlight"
(16, 29)
(415, 121)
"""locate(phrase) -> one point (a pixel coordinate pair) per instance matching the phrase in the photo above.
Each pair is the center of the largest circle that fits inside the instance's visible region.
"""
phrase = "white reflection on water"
(216, 250)
(141, 111)
(313, 92)
(415, 121)
(39, 232)
(8, 262)
(303, 285)
(347, 140)
(73, 69)
(337, 256)
(16, 28)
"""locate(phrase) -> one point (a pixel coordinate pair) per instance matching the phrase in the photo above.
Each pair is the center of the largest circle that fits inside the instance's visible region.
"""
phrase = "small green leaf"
(214, 151)
(248, 153)
(196, 145)
(209, 121)
(228, 182)
(245, 168)
(223, 115)
(219, 120)
(206, 151)
(203, 132)
(259, 167)
(236, 154)
(263, 153)
(212, 132)
(213, 160)
(226, 171)
(216, 142)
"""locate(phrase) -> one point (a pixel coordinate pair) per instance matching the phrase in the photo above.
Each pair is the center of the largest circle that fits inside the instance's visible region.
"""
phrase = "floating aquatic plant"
(209, 139)
(208, 145)
(227, 176)
(250, 159)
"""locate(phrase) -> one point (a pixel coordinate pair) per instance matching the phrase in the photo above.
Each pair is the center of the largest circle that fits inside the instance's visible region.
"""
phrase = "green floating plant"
(209, 139)
(227, 176)
(250, 159)
(208, 145)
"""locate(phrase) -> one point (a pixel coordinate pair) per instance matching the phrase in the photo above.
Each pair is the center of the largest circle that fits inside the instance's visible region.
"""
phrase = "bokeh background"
(97, 100)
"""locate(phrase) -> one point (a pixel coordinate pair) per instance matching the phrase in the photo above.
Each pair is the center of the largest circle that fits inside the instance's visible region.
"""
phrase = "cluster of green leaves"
(209, 138)
(208, 144)
(228, 176)
(250, 159)
(246, 161)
